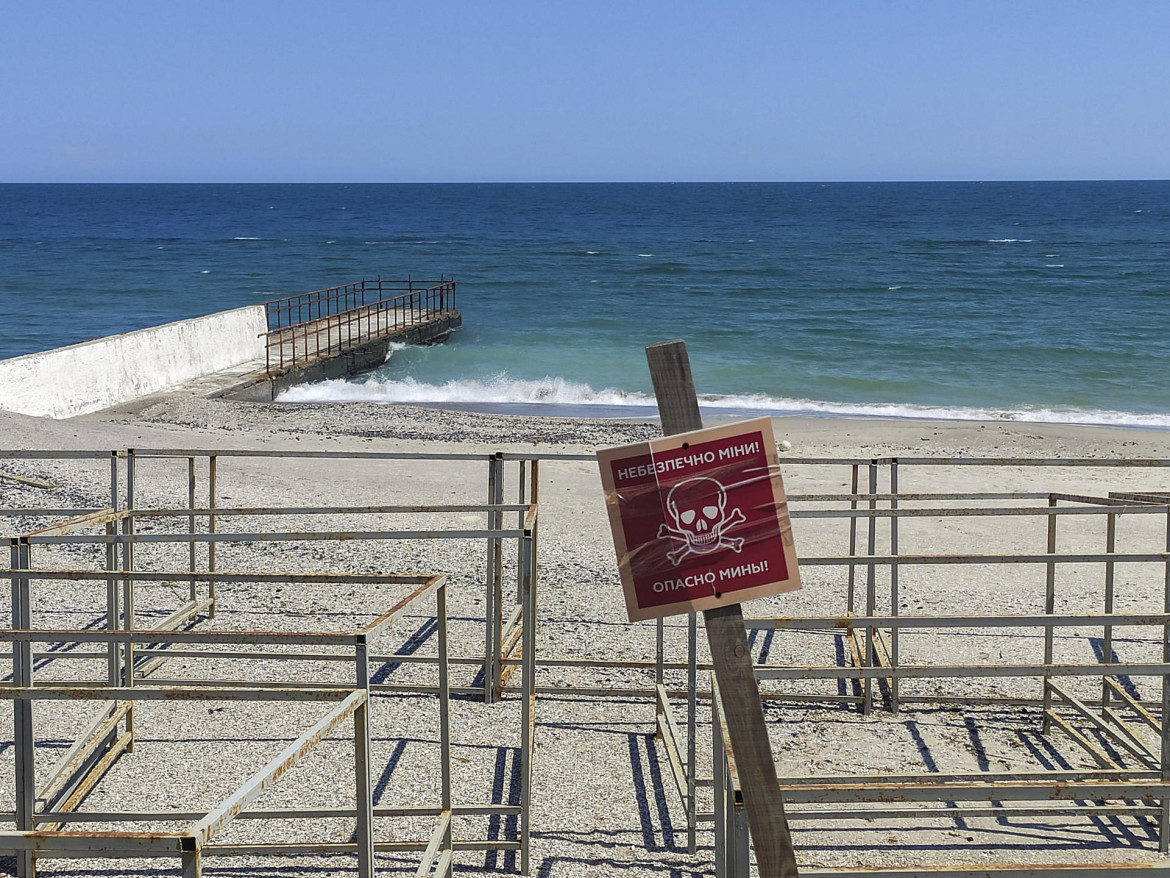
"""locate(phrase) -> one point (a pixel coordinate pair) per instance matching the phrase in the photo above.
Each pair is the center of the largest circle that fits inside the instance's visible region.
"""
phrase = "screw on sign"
(699, 519)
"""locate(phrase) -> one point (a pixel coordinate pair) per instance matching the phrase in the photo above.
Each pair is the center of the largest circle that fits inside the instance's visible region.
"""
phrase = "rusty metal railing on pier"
(328, 322)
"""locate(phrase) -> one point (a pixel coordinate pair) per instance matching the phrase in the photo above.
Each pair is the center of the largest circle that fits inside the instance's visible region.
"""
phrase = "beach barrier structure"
(1100, 715)
(132, 640)
(1083, 714)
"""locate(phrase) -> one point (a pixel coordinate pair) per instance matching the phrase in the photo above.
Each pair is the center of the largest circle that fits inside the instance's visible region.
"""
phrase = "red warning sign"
(699, 519)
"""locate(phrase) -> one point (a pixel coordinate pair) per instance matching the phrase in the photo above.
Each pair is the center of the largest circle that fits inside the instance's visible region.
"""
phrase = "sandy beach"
(603, 799)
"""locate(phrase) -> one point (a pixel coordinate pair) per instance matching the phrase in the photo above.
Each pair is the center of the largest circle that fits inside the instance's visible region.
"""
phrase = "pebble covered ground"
(603, 798)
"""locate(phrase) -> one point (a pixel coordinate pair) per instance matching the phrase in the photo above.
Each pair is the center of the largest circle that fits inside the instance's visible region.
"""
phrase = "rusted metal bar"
(493, 587)
(363, 796)
(815, 623)
(833, 790)
(74, 764)
(916, 672)
(24, 480)
(271, 537)
(1144, 715)
(976, 511)
(528, 696)
(1164, 817)
(24, 744)
(219, 818)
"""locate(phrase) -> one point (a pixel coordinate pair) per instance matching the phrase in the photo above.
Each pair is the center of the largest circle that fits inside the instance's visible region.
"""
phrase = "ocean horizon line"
(695, 182)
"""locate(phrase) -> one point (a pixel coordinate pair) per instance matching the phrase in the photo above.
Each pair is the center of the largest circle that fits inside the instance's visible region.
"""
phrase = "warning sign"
(699, 519)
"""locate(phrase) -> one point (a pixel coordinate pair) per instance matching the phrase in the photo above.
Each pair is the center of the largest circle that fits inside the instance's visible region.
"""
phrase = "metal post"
(128, 590)
(363, 801)
(444, 708)
(869, 661)
(114, 480)
(894, 596)
(520, 526)
(211, 529)
(191, 523)
(851, 593)
(740, 841)
(692, 729)
(659, 659)
(24, 747)
(1107, 634)
(1164, 816)
(528, 708)
(113, 606)
(495, 574)
(192, 863)
(1049, 608)
(718, 786)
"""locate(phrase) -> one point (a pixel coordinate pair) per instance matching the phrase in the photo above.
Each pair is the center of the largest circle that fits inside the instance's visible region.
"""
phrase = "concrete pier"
(250, 353)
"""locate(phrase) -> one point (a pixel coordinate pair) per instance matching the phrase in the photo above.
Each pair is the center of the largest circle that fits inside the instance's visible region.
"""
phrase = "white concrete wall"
(98, 374)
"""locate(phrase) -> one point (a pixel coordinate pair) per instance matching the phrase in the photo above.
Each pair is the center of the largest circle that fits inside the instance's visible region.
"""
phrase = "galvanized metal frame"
(503, 618)
(877, 658)
(144, 654)
(48, 840)
(874, 638)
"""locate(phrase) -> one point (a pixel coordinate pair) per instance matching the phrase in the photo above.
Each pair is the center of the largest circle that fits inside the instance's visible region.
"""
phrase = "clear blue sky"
(430, 90)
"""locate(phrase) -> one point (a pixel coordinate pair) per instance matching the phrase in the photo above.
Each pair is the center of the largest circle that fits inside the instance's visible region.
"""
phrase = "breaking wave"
(562, 394)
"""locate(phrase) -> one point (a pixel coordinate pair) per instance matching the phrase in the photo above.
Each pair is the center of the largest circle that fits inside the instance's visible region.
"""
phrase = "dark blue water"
(1046, 301)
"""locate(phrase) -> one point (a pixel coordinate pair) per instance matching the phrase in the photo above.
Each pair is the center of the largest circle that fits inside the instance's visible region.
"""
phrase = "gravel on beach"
(603, 799)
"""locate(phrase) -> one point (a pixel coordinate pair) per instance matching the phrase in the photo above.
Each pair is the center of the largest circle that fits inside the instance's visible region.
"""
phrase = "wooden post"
(678, 407)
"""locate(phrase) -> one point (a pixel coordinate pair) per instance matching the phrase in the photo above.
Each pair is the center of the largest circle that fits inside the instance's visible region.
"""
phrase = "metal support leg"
(740, 841)
(24, 745)
(1164, 817)
(869, 661)
(128, 589)
(444, 710)
(692, 730)
(528, 710)
(211, 529)
(895, 598)
(191, 525)
(1049, 608)
(494, 591)
(851, 594)
(1107, 634)
(113, 608)
(719, 788)
(192, 864)
(363, 801)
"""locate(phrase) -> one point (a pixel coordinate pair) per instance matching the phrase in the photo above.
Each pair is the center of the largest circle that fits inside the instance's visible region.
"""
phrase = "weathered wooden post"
(678, 408)
(700, 523)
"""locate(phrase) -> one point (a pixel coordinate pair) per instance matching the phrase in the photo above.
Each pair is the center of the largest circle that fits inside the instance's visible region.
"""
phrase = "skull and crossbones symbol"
(701, 520)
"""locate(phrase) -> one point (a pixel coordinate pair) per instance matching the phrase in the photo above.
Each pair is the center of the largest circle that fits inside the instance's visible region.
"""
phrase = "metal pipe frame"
(501, 638)
(39, 832)
(877, 659)
(148, 648)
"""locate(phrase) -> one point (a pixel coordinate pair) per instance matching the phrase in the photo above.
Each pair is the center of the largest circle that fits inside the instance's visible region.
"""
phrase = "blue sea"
(1045, 301)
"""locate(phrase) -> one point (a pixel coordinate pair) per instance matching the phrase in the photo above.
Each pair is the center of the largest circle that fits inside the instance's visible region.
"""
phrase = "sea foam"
(563, 395)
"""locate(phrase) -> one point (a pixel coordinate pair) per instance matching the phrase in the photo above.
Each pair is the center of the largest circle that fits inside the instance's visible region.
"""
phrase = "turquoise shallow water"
(1040, 301)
